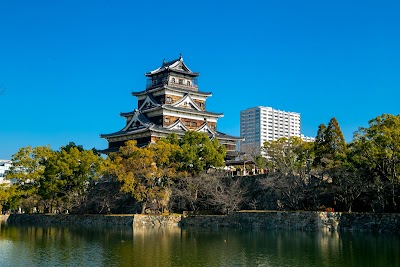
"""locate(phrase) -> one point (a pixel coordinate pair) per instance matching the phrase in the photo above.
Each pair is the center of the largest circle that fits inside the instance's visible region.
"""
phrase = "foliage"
(377, 150)
(53, 178)
(330, 146)
(177, 173)
(289, 156)
(290, 178)
(199, 153)
(144, 173)
(68, 175)
(28, 168)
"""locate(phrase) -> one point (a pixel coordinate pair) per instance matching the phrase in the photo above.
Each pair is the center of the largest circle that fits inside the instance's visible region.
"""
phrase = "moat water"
(173, 246)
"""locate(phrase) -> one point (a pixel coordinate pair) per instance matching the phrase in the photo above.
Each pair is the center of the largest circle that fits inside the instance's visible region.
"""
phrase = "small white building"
(5, 165)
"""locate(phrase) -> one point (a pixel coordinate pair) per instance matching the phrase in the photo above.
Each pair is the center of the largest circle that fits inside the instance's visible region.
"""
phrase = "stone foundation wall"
(156, 220)
(302, 220)
(3, 218)
(69, 219)
(91, 219)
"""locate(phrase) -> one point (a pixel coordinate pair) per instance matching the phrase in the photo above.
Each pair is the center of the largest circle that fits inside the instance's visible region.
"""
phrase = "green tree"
(28, 167)
(290, 161)
(378, 151)
(320, 145)
(336, 145)
(330, 146)
(199, 153)
(68, 176)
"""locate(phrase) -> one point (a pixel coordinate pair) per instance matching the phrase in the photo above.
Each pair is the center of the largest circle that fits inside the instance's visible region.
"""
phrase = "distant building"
(261, 124)
(5, 166)
(171, 103)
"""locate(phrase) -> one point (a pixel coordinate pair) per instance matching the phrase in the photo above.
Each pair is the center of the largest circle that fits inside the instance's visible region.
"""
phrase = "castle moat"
(175, 246)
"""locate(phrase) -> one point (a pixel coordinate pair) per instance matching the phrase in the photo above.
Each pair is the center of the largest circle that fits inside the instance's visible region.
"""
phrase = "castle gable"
(178, 125)
(186, 102)
(148, 103)
(205, 128)
(137, 121)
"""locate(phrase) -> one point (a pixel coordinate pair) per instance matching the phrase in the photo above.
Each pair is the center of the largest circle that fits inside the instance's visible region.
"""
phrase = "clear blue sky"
(68, 68)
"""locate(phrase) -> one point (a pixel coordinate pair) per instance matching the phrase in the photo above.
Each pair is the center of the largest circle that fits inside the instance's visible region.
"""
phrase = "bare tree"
(347, 185)
(208, 192)
(251, 151)
(227, 195)
(290, 190)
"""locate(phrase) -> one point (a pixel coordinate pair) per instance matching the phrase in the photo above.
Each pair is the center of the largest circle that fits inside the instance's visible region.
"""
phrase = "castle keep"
(171, 103)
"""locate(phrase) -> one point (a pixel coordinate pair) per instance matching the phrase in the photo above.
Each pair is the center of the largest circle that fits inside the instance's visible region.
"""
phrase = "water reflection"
(173, 246)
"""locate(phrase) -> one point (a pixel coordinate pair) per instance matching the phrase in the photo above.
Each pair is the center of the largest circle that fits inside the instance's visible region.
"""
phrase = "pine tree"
(335, 143)
(320, 145)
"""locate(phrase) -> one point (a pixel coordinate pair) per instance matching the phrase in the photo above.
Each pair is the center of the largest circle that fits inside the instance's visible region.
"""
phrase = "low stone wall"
(157, 220)
(69, 219)
(3, 218)
(374, 222)
(91, 219)
(302, 220)
(267, 220)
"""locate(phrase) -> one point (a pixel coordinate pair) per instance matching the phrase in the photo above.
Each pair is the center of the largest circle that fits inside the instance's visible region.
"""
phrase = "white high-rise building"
(260, 124)
(5, 165)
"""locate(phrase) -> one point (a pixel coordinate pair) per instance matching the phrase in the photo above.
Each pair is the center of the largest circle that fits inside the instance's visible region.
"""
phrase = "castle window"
(187, 123)
(188, 83)
(180, 81)
(194, 124)
(166, 120)
(169, 99)
(173, 80)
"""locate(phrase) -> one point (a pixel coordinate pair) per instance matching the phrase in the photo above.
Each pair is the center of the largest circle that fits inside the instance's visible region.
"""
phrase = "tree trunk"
(394, 199)
(143, 207)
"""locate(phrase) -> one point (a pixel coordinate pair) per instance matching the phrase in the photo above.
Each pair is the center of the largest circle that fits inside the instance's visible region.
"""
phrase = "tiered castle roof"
(171, 103)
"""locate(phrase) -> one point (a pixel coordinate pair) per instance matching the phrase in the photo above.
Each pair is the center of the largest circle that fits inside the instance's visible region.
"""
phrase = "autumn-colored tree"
(4, 196)
(137, 171)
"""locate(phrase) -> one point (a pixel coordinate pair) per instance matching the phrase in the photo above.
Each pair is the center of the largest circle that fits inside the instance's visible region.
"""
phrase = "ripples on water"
(173, 246)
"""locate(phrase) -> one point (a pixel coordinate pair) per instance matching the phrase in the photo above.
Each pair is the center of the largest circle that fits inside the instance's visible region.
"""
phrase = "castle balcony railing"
(151, 84)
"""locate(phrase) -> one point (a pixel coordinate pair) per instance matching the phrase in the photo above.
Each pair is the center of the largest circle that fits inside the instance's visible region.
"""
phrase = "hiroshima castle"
(171, 103)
